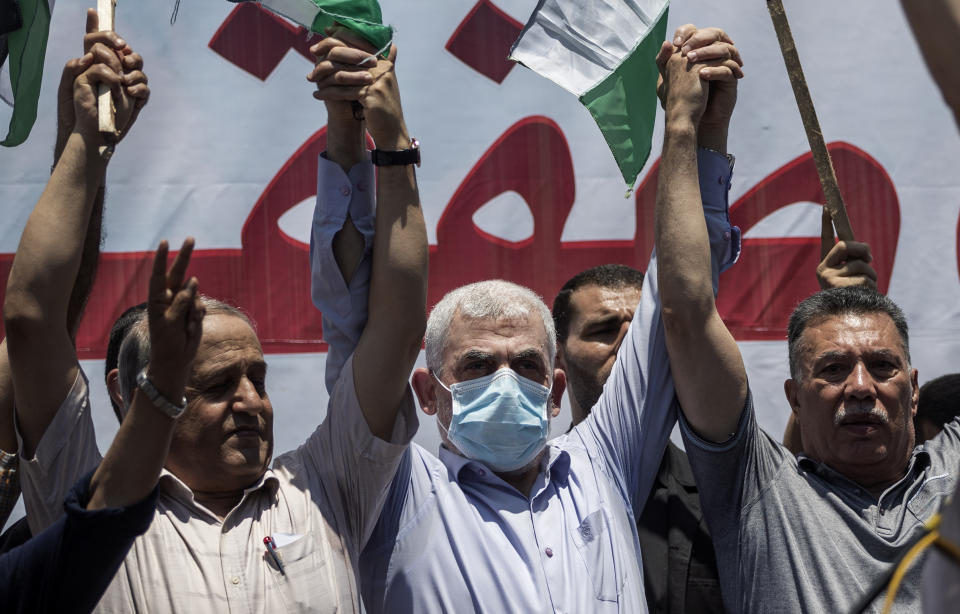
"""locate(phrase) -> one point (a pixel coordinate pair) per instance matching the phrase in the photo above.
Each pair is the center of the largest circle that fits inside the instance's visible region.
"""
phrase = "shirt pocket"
(306, 583)
(593, 541)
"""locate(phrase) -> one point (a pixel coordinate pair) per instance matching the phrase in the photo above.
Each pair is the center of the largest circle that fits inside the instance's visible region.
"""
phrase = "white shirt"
(327, 494)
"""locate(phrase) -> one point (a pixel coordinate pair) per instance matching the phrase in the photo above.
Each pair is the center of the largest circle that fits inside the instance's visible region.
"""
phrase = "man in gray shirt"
(793, 534)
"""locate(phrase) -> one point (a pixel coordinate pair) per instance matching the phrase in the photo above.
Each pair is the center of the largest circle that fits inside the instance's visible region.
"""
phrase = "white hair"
(494, 299)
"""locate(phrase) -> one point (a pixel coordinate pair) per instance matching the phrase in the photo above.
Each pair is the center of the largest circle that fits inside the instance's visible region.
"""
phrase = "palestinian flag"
(26, 48)
(361, 16)
(602, 51)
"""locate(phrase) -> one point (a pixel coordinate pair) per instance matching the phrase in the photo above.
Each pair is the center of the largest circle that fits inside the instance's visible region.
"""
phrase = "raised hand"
(682, 92)
(131, 93)
(844, 264)
(348, 73)
(718, 62)
(342, 64)
(175, 318)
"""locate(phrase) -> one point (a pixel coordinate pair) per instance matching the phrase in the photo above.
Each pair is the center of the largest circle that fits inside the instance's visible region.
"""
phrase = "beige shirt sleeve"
(350, 464)
(67, 451)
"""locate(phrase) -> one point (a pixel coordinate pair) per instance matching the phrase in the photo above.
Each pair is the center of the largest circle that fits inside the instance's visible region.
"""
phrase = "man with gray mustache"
(807, 533)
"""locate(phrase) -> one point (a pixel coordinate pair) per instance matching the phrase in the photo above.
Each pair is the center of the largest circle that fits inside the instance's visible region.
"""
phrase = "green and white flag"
(23, 69)
(361, 16)
(602, 51)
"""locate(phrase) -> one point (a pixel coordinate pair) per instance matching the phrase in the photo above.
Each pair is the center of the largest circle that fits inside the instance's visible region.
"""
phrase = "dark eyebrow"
(881, 353)
(604, 321)
(887, 354)
(529, 353)
(828, 356)
(474, 355)
(258, 364)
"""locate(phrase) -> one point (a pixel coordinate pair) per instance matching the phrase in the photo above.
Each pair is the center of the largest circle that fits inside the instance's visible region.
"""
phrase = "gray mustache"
(853, 412)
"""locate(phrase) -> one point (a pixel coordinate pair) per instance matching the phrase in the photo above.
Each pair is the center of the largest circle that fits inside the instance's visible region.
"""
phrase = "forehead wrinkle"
(227, 361)
(860, 339)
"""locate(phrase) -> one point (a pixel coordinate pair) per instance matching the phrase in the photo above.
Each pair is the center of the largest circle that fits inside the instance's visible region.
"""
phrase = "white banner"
(516, 180)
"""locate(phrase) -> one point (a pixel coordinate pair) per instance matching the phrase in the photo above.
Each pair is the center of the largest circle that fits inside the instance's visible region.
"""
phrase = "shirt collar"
(557, 462)
(456, 463)
(919, 461)
(172, 485)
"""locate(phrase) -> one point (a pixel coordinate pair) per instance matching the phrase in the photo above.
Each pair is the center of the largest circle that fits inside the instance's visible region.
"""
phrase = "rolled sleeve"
(67, 450)
(344, 308)
(345, 450)
(716, 171)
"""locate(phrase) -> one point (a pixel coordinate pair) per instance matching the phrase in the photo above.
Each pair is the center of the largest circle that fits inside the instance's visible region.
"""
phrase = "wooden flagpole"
(828, 177)
(106, 111)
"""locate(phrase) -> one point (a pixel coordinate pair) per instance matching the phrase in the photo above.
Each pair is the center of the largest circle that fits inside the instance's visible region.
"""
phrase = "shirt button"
(720, 180)
(726, 235)
(481, 472)
(548, 552)
(345, 190)
(235, 580)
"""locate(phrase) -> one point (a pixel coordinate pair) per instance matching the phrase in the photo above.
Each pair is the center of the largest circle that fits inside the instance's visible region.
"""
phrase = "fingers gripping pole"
(105, 108)
(828, 178)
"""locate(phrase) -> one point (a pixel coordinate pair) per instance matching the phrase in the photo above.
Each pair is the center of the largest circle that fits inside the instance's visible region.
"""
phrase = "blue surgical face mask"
(499, 420)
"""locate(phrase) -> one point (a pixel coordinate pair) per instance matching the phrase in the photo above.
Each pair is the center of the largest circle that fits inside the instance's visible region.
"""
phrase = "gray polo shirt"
(793, 535)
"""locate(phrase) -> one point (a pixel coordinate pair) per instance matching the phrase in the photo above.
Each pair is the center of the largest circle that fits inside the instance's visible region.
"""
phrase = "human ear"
(113, 386)
(561, 360)
(556, 393)
(792, 390)
(915, 394)
(424, 385)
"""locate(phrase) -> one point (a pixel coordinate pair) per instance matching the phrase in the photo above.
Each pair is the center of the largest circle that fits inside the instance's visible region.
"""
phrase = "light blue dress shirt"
(454, 537)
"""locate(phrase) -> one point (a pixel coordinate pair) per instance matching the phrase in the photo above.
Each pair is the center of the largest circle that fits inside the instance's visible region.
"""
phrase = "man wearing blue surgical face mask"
(490, 353)
(502, 520)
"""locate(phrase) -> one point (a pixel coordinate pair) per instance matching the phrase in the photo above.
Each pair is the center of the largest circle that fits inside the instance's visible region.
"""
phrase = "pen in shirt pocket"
(272, 551)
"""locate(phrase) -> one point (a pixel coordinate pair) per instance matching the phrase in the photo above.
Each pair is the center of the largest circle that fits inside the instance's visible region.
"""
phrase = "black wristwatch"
(411, 155)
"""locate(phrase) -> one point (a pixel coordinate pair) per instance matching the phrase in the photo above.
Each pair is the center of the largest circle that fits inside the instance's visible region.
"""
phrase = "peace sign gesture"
(175, 317)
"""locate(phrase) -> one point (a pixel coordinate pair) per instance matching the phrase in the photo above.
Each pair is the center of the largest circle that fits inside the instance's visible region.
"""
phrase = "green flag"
(603, 51)
(361, 16)
(27, 48)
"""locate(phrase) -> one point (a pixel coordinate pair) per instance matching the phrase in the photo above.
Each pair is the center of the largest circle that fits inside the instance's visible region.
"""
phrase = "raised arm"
(132, 465)
(393, 333)
(936, 26)
(634, 416)
(708, 372)
(45, 292)
(341, 238)
(82, 551)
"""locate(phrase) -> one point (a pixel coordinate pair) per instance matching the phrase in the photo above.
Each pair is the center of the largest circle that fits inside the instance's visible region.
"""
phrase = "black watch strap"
(404, 157)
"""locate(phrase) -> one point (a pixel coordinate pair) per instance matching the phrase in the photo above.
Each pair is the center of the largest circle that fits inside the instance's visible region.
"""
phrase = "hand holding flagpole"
(828, 178)
(105, 108)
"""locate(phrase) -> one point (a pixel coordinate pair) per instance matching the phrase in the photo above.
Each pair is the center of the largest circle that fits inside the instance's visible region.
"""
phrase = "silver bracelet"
(159, 401)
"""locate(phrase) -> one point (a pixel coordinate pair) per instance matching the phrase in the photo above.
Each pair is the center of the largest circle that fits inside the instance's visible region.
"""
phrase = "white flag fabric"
(603, 52)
